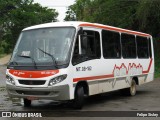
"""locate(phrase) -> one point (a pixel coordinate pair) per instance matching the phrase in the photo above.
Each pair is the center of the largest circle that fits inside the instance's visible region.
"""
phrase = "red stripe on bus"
(33, 74)
(147, 71)
(93, 77)
(114, 29)
(107, 76)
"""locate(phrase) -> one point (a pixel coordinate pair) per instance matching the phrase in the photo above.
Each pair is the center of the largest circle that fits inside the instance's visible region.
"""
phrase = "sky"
(59, 5)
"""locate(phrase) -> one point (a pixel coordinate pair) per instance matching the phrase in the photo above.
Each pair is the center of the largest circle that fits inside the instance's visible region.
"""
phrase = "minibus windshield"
(46, 46)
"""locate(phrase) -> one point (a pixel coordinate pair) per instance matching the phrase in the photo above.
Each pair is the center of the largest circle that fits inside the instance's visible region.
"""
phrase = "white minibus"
(67, 61)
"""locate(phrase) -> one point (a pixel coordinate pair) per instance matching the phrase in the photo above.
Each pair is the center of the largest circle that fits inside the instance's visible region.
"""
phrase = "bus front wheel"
(79, 98)
(27, 103)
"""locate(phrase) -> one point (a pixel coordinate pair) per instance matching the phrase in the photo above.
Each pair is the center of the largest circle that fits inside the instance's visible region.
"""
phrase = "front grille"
(32, 82)
(32, 92)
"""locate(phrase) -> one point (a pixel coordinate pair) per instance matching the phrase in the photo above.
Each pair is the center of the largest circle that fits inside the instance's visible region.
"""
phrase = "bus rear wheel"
(133, 88)
(79, 98)
(131, 91)
(27, 103)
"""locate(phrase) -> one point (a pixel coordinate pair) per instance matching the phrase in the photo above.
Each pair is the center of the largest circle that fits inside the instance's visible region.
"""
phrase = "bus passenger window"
(142, 47)
(111, 44)
(128, 46)
(90, 45)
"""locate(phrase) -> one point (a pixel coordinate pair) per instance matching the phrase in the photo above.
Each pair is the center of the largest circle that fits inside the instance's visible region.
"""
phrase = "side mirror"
(80, 32)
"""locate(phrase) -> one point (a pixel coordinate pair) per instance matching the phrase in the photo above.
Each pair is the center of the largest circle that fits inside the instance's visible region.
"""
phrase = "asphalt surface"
(147, 99)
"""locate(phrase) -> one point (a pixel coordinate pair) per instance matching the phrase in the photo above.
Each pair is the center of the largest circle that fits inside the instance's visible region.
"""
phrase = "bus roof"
(77, 24)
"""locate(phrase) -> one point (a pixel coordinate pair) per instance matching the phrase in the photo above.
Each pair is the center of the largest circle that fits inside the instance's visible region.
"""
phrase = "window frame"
(120, 45)
(150, 47)
(75, 42)
(135, 42)
(147, 47)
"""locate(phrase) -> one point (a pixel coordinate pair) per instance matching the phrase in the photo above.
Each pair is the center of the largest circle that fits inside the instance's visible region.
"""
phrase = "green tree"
(111, 12)
(70, 14)
(148, 16)
(18, 14)
(140, 15)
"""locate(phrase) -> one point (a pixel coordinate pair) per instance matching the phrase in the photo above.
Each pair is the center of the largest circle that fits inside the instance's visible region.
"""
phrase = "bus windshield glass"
(43, 47)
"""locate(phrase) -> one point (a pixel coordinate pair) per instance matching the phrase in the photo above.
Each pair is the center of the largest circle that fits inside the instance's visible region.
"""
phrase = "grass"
(157, 67)
(2, 55)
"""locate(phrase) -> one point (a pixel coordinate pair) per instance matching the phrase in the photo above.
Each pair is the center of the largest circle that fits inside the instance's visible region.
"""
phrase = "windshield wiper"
(53, 58)
(34, 62)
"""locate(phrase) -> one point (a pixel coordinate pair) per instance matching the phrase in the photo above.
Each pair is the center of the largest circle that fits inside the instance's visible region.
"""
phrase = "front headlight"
(10, 79)
(57, 80)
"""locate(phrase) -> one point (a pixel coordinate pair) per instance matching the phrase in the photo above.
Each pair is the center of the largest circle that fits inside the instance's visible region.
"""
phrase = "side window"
(128, 46)
(90, 44)
(111, 44)
(142, 47)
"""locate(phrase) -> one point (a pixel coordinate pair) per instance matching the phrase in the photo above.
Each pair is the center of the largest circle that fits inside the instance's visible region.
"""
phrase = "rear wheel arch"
(135, 78)
(131, 91)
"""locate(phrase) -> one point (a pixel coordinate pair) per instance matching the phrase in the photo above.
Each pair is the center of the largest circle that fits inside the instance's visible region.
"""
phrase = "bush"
(4, 47)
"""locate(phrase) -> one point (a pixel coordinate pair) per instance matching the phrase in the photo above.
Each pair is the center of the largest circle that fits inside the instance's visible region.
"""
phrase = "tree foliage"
(148, 16)
(18, 14)
(139, 15)
(70, 14)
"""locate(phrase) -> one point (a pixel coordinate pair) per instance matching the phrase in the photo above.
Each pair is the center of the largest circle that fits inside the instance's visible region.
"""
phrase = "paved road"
(147, 99)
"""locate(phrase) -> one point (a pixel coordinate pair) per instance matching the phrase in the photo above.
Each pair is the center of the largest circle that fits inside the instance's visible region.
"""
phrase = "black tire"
(27, 103)
(79, 98)
(131, 91)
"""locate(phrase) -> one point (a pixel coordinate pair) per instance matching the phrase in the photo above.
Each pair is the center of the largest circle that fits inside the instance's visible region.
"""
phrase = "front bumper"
(51, 93)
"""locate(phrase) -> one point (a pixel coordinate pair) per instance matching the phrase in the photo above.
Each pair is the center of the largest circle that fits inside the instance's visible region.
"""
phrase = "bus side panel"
(106, 75)
(116, 78)
(88, 71)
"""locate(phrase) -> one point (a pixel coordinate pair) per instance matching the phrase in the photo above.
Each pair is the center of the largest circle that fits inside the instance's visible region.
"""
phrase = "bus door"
(87, 62)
